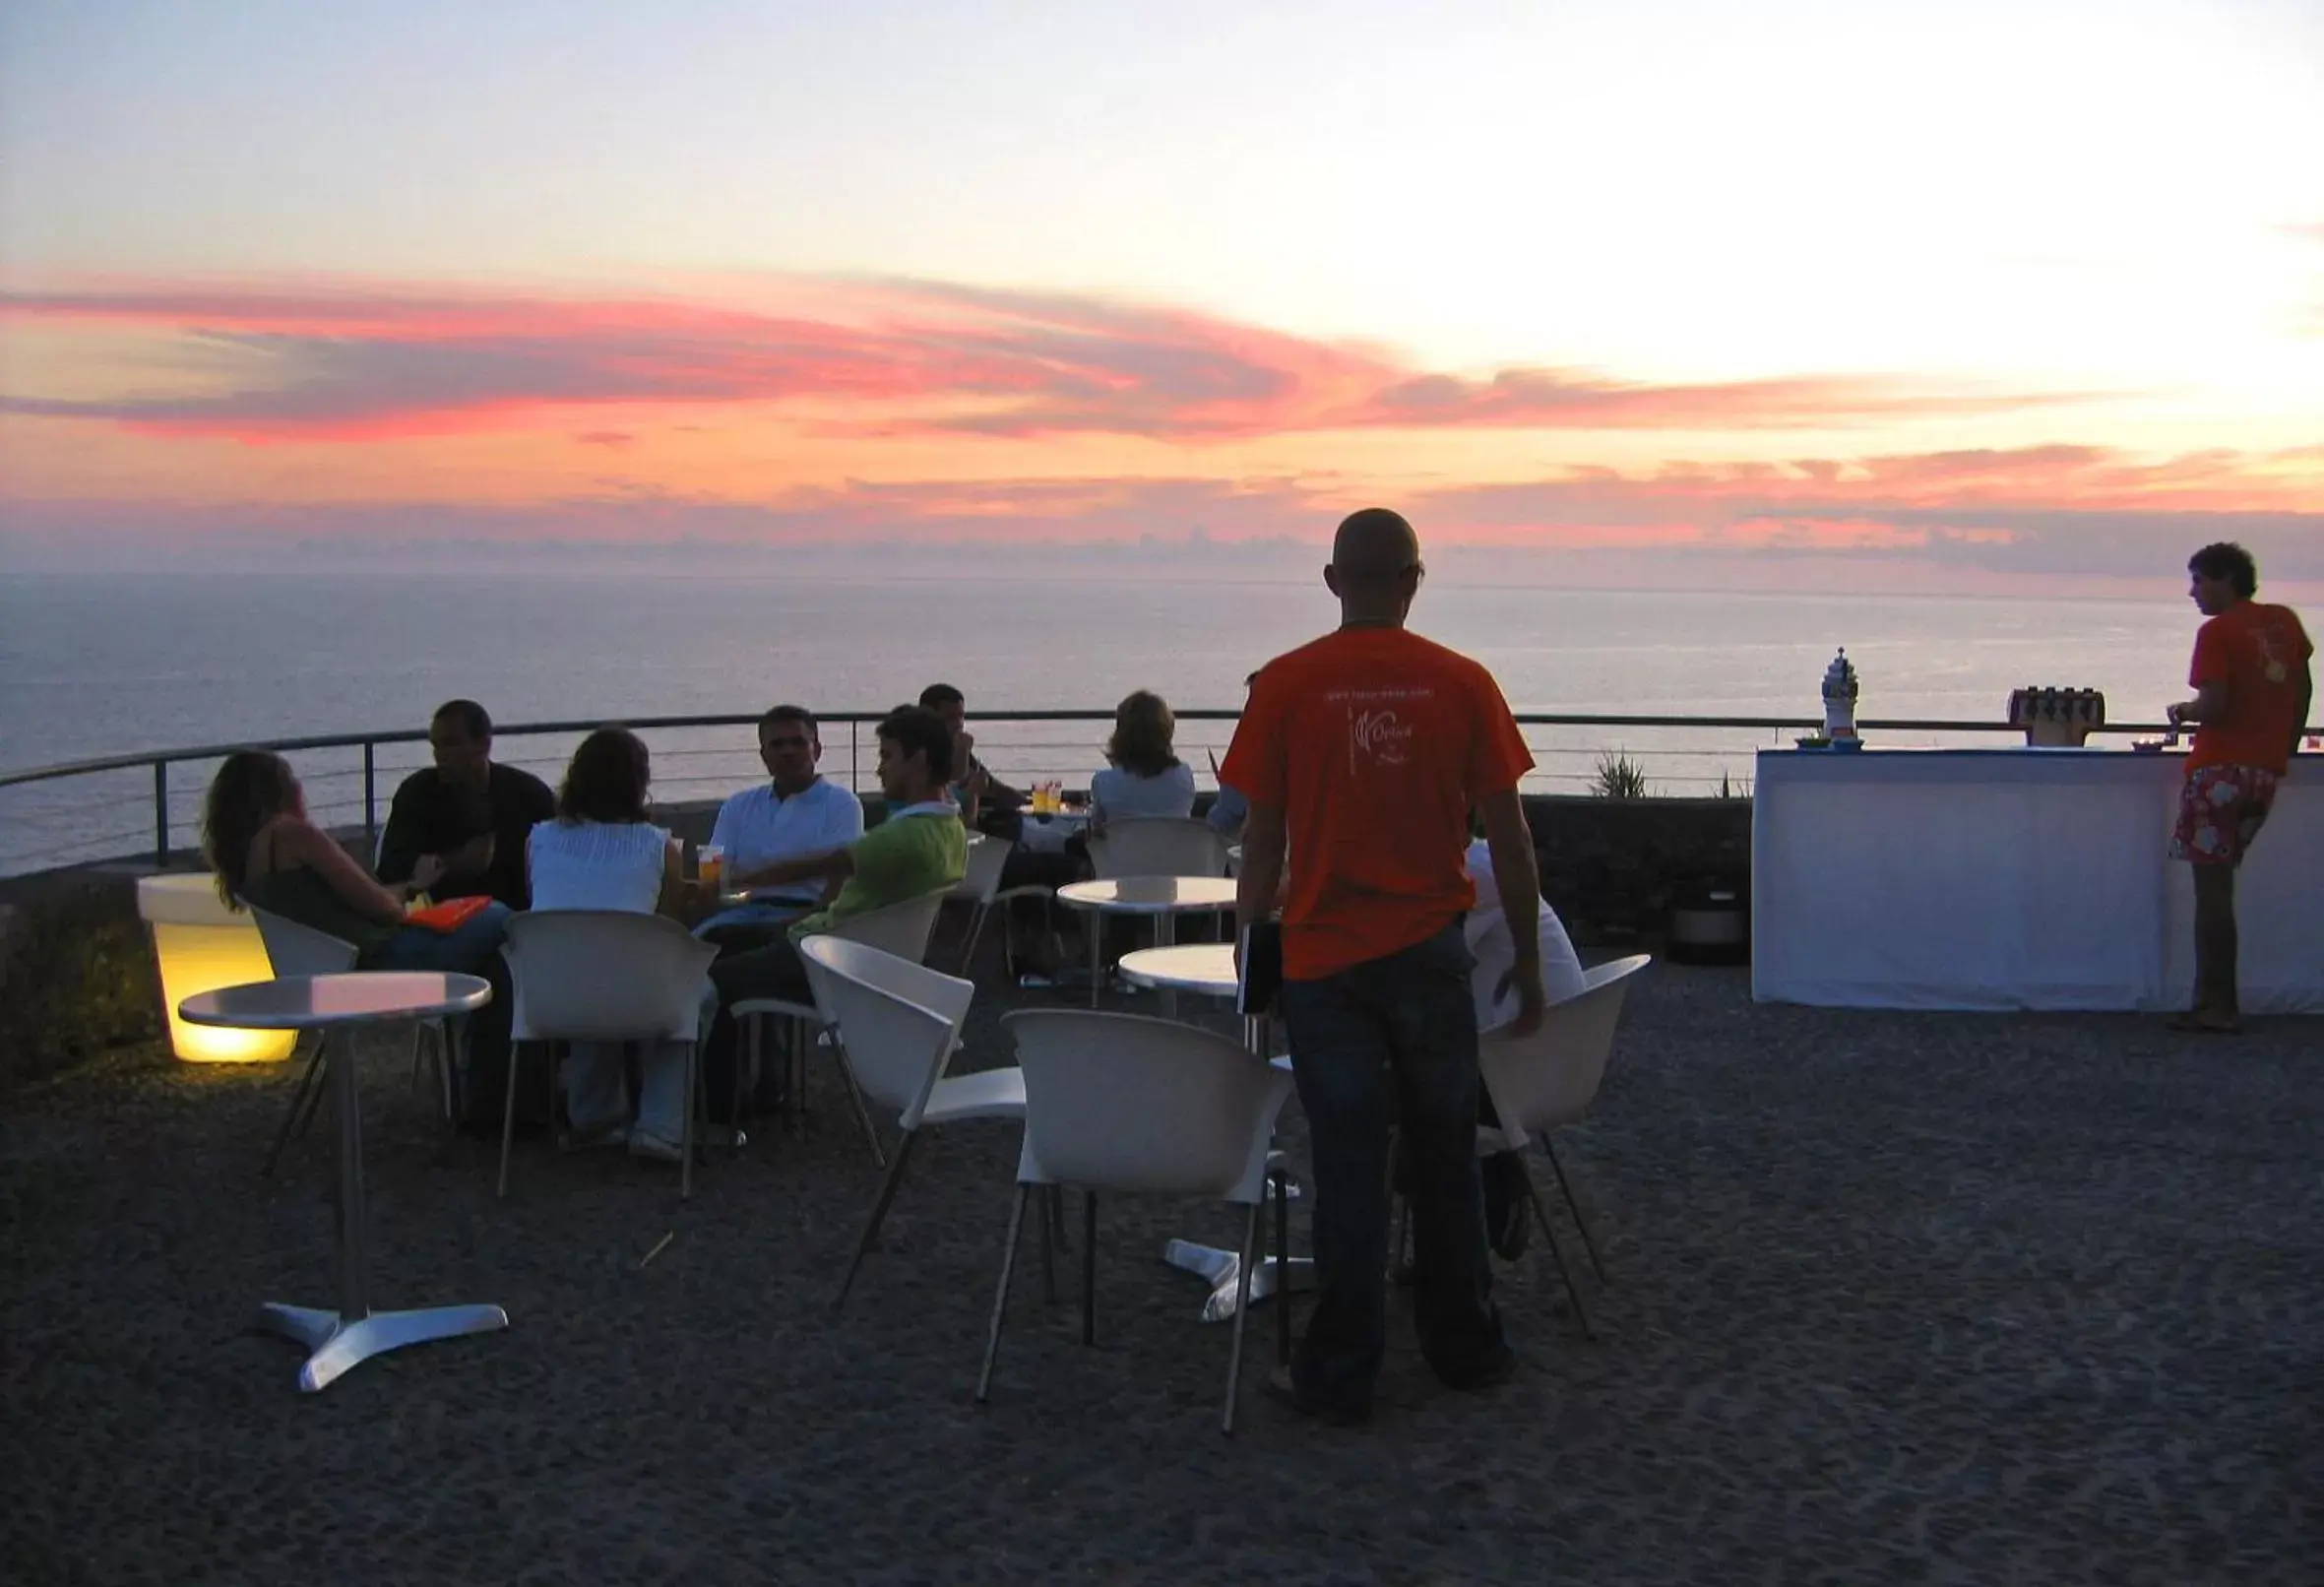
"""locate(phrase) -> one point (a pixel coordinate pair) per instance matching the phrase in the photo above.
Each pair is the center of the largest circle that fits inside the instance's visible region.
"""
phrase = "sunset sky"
(1920, 295)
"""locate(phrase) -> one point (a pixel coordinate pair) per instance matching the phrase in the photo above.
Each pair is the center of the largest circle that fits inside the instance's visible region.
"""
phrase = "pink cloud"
(2054, 514)
(364, 361)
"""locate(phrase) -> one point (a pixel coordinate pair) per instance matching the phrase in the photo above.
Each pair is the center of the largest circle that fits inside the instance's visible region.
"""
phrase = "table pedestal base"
(334, 1347)
(1221, 1269)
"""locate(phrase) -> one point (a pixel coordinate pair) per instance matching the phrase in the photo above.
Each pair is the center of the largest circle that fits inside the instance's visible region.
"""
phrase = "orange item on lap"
(449, 916)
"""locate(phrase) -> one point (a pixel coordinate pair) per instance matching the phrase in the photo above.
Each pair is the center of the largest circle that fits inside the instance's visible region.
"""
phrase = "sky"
(2023, 296)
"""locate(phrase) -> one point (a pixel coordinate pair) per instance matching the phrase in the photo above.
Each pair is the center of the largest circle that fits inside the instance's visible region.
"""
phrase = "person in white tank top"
(601, 853)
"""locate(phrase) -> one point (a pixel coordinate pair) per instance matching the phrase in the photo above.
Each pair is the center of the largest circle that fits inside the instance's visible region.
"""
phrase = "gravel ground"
(1894, 1298)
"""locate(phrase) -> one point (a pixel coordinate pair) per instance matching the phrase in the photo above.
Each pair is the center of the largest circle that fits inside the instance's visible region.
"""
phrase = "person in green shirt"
(920, 849)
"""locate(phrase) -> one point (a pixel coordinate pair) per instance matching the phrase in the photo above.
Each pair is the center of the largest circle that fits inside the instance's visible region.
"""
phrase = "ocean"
(95, 665)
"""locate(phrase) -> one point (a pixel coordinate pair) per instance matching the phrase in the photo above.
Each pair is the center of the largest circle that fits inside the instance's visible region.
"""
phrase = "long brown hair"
(251, 789)
(608, 779)
(1143, 728)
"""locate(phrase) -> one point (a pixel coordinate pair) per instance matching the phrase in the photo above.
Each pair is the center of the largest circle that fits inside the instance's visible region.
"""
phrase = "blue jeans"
(471, 950)
(1392, 1040)
(766, 917)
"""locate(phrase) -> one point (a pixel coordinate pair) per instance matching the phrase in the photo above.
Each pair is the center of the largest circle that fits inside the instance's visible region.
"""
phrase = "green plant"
(77, 977)
(1738, 789)
(1618, 777)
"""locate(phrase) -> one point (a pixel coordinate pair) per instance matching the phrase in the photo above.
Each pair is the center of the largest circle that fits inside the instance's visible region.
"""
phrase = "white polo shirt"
(758, 828)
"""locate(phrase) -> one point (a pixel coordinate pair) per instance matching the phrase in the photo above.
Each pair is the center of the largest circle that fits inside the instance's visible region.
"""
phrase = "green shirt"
(918, 850)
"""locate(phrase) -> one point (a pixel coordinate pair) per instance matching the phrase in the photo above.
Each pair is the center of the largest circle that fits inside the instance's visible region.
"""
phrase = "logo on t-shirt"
(1377, 732)
(2270, 663)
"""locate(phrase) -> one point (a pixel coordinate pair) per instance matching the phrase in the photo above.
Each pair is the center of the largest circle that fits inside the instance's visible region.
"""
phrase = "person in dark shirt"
(469, 813)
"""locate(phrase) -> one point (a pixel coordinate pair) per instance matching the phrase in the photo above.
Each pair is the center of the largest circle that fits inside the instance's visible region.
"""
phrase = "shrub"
(77, 977)
(1618, 777)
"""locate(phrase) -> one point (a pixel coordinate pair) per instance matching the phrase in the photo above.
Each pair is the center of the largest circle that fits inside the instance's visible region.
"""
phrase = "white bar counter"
(2014, 879)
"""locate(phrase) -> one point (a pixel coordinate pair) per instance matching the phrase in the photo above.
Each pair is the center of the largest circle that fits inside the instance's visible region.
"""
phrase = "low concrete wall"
(75, 975)
(1612, 868)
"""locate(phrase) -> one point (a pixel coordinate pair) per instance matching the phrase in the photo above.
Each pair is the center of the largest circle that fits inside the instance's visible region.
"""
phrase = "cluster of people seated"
(796, 851)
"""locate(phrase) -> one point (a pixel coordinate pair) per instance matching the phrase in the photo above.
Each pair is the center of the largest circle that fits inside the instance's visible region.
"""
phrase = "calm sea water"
(99, 665)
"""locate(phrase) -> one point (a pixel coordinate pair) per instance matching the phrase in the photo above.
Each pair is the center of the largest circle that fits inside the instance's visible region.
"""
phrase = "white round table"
(354, 1333)
(1163, 898)
(1207, 968)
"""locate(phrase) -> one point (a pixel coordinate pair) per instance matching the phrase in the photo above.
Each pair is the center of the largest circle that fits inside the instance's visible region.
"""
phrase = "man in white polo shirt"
(765, 830)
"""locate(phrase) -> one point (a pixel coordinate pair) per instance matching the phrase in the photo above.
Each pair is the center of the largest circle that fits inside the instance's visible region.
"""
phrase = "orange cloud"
(363, 362)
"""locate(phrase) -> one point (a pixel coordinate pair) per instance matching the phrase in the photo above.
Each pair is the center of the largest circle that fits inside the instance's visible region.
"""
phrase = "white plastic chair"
(293, 949)
(980, 887)
(604, 976)
(899, 1023)
(902, 929)
(1158, 846)
(1119, 1102)
(1548, 1080)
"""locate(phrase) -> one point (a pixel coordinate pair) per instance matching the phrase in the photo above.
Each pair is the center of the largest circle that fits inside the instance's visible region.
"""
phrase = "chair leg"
(1089, 1267)
(419, 1030)
(1242, 1310)
(1057, 1215)
(855, 1095)
(969, 948)
(799, 1038)
(1557, 1254)
(1051, 1220)
(299, 1103)
(1000, 1298)
(879, 1216)
(746, 1061)
(450, 1035)
(1573, 1207)
(686, 1134)
(508, 1113)
(1282, 1267)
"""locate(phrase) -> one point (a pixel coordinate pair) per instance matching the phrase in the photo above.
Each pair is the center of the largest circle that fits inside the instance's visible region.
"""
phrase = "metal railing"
(75, 812)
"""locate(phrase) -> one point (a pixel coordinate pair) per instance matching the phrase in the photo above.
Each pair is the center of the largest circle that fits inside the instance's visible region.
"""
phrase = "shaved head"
(1374, 547)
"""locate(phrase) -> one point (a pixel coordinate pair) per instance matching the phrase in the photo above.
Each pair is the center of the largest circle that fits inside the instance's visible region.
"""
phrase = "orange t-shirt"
(1374, 743)
(2260, 652)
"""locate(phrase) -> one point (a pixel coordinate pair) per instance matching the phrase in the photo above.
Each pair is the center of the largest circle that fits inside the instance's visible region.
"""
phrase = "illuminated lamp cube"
(201, 945)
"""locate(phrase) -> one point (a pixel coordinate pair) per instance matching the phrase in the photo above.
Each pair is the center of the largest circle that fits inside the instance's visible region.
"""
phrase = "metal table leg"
(354, 1333)
(1166, 935)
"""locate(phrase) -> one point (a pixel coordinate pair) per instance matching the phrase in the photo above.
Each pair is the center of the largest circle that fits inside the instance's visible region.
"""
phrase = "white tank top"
(597, 866)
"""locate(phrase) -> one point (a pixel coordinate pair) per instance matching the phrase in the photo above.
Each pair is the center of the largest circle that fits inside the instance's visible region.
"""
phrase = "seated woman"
(257, 837)
(602, 852)
(1144, 776)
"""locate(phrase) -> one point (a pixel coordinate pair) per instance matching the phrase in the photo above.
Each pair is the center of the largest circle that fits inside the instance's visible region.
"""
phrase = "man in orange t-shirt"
(1361, 756)
(2252, 689)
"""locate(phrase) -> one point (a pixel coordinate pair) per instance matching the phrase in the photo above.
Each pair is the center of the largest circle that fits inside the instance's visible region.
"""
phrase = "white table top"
(1151, 895)
(357, 998)
(1197, 967)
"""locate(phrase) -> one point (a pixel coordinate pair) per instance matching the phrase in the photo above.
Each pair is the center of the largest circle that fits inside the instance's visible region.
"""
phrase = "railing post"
(371, 800)
(161, 815)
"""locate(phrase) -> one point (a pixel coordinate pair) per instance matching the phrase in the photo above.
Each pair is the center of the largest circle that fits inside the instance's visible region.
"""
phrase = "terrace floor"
(1899, 1298)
